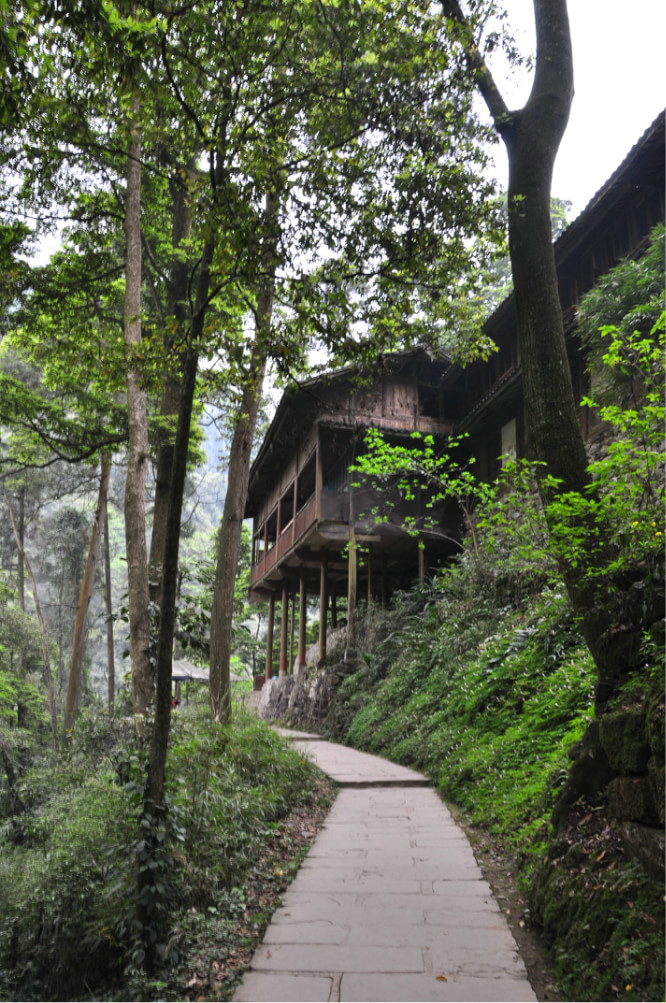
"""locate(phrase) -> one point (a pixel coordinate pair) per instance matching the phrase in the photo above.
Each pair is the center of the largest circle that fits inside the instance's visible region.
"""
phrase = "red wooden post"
(323, 608)
(290, 666)
(269, 636)
(284, 625)
(302, 619)
(334, 607)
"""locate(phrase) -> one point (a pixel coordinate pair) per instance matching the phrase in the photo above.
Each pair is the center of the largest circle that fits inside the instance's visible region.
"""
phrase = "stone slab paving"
(292, 734)
(358, 769)
(389, 903)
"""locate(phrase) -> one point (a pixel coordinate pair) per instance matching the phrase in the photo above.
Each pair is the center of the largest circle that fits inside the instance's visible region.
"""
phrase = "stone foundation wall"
(302, 700)
(622, 755)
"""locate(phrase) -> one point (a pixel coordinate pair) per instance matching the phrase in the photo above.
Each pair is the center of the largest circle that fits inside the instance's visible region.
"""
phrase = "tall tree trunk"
(177, 313)
(553, 428)
(153, 807)
(108, 605)
(80, 623)
(532, 137)
(160, 736)
(20, 562)
(137, 460)
(610, 614)
(48, 678)
(231, 527)
(60, 668)
(532, 141)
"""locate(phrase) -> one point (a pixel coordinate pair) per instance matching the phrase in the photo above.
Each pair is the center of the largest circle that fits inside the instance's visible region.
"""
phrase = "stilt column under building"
(292, 636)
(323, 608)
(334, 607)
(302, 619)
(269, 636)
(351, 588)
(284, 627)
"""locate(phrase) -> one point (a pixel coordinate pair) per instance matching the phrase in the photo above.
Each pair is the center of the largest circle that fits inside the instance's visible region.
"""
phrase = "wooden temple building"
(314, 529)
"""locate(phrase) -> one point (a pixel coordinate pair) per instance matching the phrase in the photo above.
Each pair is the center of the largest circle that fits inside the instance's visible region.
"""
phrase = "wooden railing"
(304, 519)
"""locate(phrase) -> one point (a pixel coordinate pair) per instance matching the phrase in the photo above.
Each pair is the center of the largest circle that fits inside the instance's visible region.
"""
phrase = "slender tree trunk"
(137, 460)
(60, 668)
(80, 623)
(153, 807)
(177, 312)
(48, 679)
(160, 736)
(229, 543)
(108, 605)
(20, 562)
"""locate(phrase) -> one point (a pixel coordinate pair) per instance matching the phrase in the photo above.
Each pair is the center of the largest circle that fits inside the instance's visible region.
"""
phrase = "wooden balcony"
(290, 536)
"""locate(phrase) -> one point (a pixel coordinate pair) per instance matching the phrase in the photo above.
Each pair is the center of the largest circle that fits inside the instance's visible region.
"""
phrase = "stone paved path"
(389, 903)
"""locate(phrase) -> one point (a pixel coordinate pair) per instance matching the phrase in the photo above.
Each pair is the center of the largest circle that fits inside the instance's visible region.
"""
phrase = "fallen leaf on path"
(442, 978)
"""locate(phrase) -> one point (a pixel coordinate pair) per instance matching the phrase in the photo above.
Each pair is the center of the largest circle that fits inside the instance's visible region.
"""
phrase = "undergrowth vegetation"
(70, 849)
(482, 680)
(486, 698)
(489, 692)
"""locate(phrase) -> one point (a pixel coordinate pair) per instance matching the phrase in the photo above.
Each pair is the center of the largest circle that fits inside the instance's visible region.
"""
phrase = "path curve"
(388, 905)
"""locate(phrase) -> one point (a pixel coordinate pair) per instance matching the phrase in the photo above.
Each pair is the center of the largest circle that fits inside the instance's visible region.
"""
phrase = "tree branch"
(477, 65)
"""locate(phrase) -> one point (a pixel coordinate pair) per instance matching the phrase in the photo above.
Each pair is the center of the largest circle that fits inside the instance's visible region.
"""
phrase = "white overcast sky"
(620, 81)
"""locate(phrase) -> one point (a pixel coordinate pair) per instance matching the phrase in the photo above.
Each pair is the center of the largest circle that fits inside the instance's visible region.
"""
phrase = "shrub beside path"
(389, 903)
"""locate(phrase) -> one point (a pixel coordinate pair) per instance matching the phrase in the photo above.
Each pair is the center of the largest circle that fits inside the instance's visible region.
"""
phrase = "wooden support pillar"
(323, 609)
(302, 619)
(369, 575)
(384, 591)
(290, 667)
(269, 636)
(421, 562)
(319, 480)
(351, 589)
(334, 607)
(284, 627)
